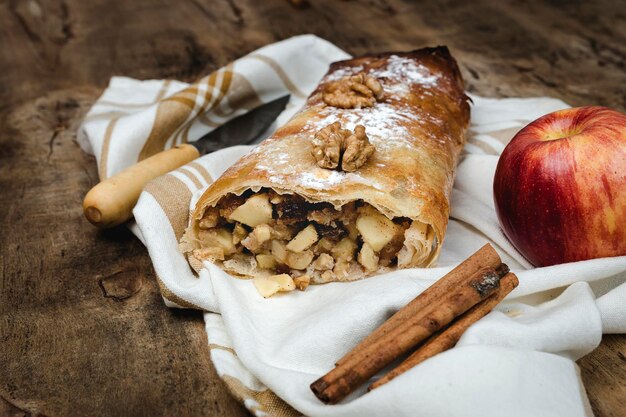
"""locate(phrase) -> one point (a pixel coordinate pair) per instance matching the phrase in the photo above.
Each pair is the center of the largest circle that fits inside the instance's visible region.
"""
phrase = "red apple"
(560, 186)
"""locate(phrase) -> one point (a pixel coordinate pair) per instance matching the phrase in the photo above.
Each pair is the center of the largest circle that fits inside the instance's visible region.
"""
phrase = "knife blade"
(243, 129)
(111, 202)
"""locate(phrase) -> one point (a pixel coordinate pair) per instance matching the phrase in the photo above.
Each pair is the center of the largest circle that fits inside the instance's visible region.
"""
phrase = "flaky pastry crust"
(417, 128)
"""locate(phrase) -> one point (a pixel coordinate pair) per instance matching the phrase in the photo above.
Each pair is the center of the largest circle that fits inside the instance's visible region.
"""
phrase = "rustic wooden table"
(83, 330)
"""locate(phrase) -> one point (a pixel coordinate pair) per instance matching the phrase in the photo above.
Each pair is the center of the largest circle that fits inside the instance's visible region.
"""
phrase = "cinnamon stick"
(485, 257)
(447, 338)
(366, 362)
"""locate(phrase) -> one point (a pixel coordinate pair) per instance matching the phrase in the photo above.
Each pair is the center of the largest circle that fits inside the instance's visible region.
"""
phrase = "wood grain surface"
(83, 331)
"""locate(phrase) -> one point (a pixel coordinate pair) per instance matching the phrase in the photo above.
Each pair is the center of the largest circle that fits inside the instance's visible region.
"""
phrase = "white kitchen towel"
(517, 361)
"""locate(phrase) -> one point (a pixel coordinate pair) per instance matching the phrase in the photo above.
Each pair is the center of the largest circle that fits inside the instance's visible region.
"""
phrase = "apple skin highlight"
(560, 186)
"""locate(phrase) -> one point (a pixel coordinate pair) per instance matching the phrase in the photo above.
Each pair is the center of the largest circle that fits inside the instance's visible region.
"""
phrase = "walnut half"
(327, 145)
(357, 150)
(353, 92)
(333, 145)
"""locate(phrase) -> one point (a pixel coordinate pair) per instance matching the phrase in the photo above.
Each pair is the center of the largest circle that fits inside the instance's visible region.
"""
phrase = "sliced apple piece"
(263, 232)
(257, 237)
(368, 258)
(344, 249)
(266, 287)
(279, 251)
(266, 261)
(299, 260)
(221, 238)
(377, 230)
(303, 240)
(255, 211)
(284, 281)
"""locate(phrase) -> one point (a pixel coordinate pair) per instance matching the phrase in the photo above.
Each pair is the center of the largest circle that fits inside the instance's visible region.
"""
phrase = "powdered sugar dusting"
(321, 178)
(343, 72)
(406, 69)
(279, 160)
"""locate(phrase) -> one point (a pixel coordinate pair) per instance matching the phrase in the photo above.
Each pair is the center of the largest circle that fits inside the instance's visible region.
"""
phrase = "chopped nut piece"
(220, 238)
(282, 231)
(357, 150)
(302, 282)
(341, 268)
(303, 240)
(275, 198)
(328, 144)
(327, 276)
(284, 281)
(353, 232)
(279, 251)
(255, 211)
(353, 92)
(210, 218)
(368, 258)
(299, 260)
(251, 243)
(344, 250)
(348, 213)
(324, 245)
(377, 230)
(266, 261)
(266, 287)
(209, 254)
(325, 216)
(323, 262)
(239, 233)
(332, 145)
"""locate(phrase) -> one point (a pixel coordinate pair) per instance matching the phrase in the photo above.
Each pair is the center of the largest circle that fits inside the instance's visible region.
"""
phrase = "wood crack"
(202, 9)
(10, 408)
(66, 27)
(54, 135)
(24, 22)
(236, 12)
(47, 25)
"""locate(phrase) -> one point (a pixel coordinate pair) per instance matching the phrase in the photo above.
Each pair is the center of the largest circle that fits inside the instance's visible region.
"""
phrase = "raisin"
(334, 233)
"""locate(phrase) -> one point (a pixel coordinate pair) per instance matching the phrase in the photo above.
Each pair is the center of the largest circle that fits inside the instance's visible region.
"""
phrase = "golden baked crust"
(417, 127)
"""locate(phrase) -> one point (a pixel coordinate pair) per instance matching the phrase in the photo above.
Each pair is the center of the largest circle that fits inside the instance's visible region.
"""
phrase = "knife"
(111, 202)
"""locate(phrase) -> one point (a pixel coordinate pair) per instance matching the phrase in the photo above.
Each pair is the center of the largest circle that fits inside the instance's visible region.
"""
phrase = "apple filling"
(268, 235)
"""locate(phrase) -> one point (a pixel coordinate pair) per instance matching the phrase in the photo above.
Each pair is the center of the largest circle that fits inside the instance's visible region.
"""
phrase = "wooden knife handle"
(111, 202)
